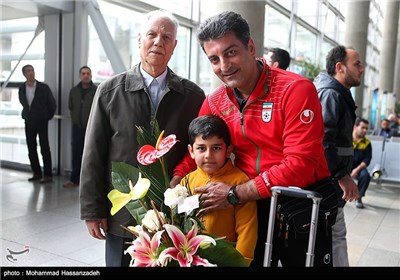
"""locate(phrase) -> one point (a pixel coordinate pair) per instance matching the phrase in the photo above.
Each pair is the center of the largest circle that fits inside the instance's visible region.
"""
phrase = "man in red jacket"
(276, 127)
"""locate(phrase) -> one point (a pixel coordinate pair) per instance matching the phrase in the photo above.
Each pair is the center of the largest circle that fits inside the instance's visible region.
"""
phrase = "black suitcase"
(297, 193)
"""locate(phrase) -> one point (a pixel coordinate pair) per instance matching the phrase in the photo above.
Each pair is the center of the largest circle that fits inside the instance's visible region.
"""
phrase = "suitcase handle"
(296, 192)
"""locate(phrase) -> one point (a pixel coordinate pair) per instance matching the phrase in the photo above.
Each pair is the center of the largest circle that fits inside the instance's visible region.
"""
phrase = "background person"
(362, 158)
(39, 106)
(384, 130)
(343, 71)
(394, 124)
(79, 104)
(130, 99)
(210, 147)
(276, 127)
(278, 58)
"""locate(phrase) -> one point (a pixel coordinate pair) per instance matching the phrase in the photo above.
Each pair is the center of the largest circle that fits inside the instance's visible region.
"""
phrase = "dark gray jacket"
(43, 105)
(338, 109)
(120, 104)
(79, 103)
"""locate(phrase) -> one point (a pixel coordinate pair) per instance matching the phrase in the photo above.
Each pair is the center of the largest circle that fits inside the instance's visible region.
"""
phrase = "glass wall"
(178, 7)
(329, 22)
(124, 25)
(275, 25)
(18, 42)
(19, 46)
(305, 45)
(308, 11)
(307, 29)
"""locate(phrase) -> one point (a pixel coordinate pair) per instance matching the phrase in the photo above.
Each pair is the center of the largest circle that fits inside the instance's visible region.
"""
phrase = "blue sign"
(374, 105)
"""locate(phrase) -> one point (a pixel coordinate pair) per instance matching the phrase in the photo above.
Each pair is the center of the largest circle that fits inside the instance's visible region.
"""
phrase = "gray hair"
(159, 14)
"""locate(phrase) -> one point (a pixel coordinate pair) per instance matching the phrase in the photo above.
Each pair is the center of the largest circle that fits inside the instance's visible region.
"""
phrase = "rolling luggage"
(312, 229)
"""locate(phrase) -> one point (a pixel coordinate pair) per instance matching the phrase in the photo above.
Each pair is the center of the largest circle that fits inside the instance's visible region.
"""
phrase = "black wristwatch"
(232, 197)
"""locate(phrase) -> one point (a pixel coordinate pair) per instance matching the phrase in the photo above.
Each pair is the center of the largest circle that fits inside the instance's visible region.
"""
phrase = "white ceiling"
(14, 9)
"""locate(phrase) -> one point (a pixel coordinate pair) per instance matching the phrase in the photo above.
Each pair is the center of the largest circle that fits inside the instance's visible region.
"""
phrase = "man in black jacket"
(343, 71)
(39, 106)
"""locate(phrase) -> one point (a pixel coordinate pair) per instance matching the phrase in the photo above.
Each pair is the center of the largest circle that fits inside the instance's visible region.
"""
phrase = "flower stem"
(166, 177)
(159, 218)
(143, 205)
(131, 231)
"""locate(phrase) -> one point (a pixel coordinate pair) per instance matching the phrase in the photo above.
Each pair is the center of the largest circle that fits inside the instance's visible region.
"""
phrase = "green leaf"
(137, 211)
(121, 173)
(310, 69)
(145, 137)
(224, 254)
(154, 171)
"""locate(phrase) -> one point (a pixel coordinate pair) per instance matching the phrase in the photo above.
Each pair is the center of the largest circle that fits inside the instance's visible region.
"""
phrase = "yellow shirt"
(238, 223)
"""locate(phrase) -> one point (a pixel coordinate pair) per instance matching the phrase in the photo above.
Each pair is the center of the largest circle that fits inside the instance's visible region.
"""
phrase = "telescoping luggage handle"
(298, 193)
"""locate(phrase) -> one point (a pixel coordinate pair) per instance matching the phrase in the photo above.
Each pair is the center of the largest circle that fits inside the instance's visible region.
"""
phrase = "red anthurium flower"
(149, 154)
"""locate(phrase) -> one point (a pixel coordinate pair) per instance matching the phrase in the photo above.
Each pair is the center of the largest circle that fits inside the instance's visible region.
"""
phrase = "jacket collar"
(135, 82)
(324, 80)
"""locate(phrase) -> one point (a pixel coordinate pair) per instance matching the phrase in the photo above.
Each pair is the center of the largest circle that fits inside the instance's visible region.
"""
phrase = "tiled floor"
(45, 220)
(373, 233)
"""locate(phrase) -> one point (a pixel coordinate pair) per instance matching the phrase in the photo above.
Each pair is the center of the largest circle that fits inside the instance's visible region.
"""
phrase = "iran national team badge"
(307, 116)
(267, 111)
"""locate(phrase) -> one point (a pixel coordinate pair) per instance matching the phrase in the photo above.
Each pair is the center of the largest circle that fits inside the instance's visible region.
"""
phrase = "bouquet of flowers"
(169, 231)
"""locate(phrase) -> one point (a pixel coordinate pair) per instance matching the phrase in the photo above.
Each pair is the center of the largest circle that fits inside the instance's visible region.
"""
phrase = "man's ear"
(229, 150)
(190, 149)
(252, 47)
(275, 64)
(339, 67)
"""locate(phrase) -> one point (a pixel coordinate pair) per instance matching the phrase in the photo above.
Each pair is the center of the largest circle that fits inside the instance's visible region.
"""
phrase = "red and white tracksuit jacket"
(278, 135)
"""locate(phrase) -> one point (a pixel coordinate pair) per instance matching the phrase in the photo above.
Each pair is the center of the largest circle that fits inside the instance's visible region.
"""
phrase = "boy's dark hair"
(219, 25)
(207, 126)
(280, 55)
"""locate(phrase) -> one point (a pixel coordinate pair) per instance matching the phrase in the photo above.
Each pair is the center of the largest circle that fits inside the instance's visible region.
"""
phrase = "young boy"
(210, 147)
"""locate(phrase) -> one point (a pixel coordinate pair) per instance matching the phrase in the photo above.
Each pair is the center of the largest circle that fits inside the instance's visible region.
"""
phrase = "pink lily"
(149, 154)
(185, 247)
(145, 250)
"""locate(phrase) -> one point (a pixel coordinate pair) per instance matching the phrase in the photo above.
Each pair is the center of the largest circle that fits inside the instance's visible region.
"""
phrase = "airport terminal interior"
(57, 37)
(44, 218)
